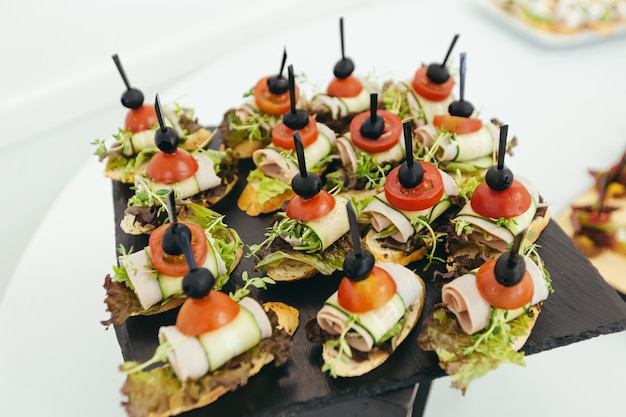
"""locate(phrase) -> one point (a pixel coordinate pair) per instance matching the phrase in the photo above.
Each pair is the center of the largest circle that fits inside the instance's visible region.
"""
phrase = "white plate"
(544, 37)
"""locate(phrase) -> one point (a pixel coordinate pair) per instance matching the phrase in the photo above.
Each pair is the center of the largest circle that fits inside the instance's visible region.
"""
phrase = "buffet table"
(567, 115)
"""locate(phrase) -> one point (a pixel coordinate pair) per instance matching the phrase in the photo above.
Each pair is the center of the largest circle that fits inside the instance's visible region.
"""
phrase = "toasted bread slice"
(291, 270)
(203, 393)
(246, 148)
(348, 367)
(382, 254)
(249, 201)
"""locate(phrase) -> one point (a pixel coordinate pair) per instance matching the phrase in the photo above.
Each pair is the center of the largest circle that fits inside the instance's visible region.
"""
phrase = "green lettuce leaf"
(268, 187)
(326, 263)
(158, 390)
(469, 357)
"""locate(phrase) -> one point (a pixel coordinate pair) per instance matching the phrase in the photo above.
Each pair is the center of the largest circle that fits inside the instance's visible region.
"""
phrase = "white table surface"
(564, 104)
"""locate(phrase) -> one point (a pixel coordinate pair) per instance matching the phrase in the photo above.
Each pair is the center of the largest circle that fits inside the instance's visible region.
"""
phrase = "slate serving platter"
(583, 306)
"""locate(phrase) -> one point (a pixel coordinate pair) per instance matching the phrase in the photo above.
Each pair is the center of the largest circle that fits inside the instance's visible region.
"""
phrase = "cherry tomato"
(596, 218)
(508, 203)
(140, 119)
(456, 124)
(275, 104)
(173, 167)
(302, 209)
(200, 315)
(368, 294)
(428, 89)
(175, 265)
(282, 136)
(499, 296)
(424, 196)
(391, 133)
(345, 87)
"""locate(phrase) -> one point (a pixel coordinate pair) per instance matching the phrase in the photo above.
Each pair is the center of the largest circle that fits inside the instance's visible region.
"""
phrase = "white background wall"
(59, 88)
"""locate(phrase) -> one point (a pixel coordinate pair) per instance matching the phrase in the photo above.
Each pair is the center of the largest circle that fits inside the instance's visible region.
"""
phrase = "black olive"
(170, 242)
(499, 179)
(197, 283)
(277, 84)
(296, 120)
(437, 73)
(308, 186)
(343, 68)
(373, 129)
(410, 176)
(132, 99)
(166, 139)
(357, 266)
(509, 269)
(373, 126)
(461, 108)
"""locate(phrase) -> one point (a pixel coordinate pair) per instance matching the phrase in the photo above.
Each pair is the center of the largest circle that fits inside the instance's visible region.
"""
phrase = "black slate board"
(583, 306)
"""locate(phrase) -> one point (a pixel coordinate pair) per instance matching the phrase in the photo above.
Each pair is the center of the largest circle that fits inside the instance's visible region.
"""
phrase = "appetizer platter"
(301, 385)
(560, 23)
(595, 221)
(367, 272)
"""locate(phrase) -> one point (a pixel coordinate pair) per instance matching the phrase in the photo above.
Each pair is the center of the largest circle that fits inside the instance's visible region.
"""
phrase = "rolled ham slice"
(259, 314)
(487, 230)
(472, 310)
(347, 154)
(342, 106)
(192, 357)
(187, 358)
(275, 165)
(333, 105)
(383, 215)
(333, 320)
(146, 287)
(248, 110)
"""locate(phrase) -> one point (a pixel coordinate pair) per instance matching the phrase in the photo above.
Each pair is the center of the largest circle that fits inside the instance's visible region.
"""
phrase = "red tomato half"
(457, 124)
(302, 209)
(424, 196)
(201, 315)
(391, 133)
(175, 265)
(500, 296)
(428, 89)
(508, 203)
(173, 167)
(345, 87)
(282, 136)
(275, 104)
(598, 218)
(140, 119)
(368, 294)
